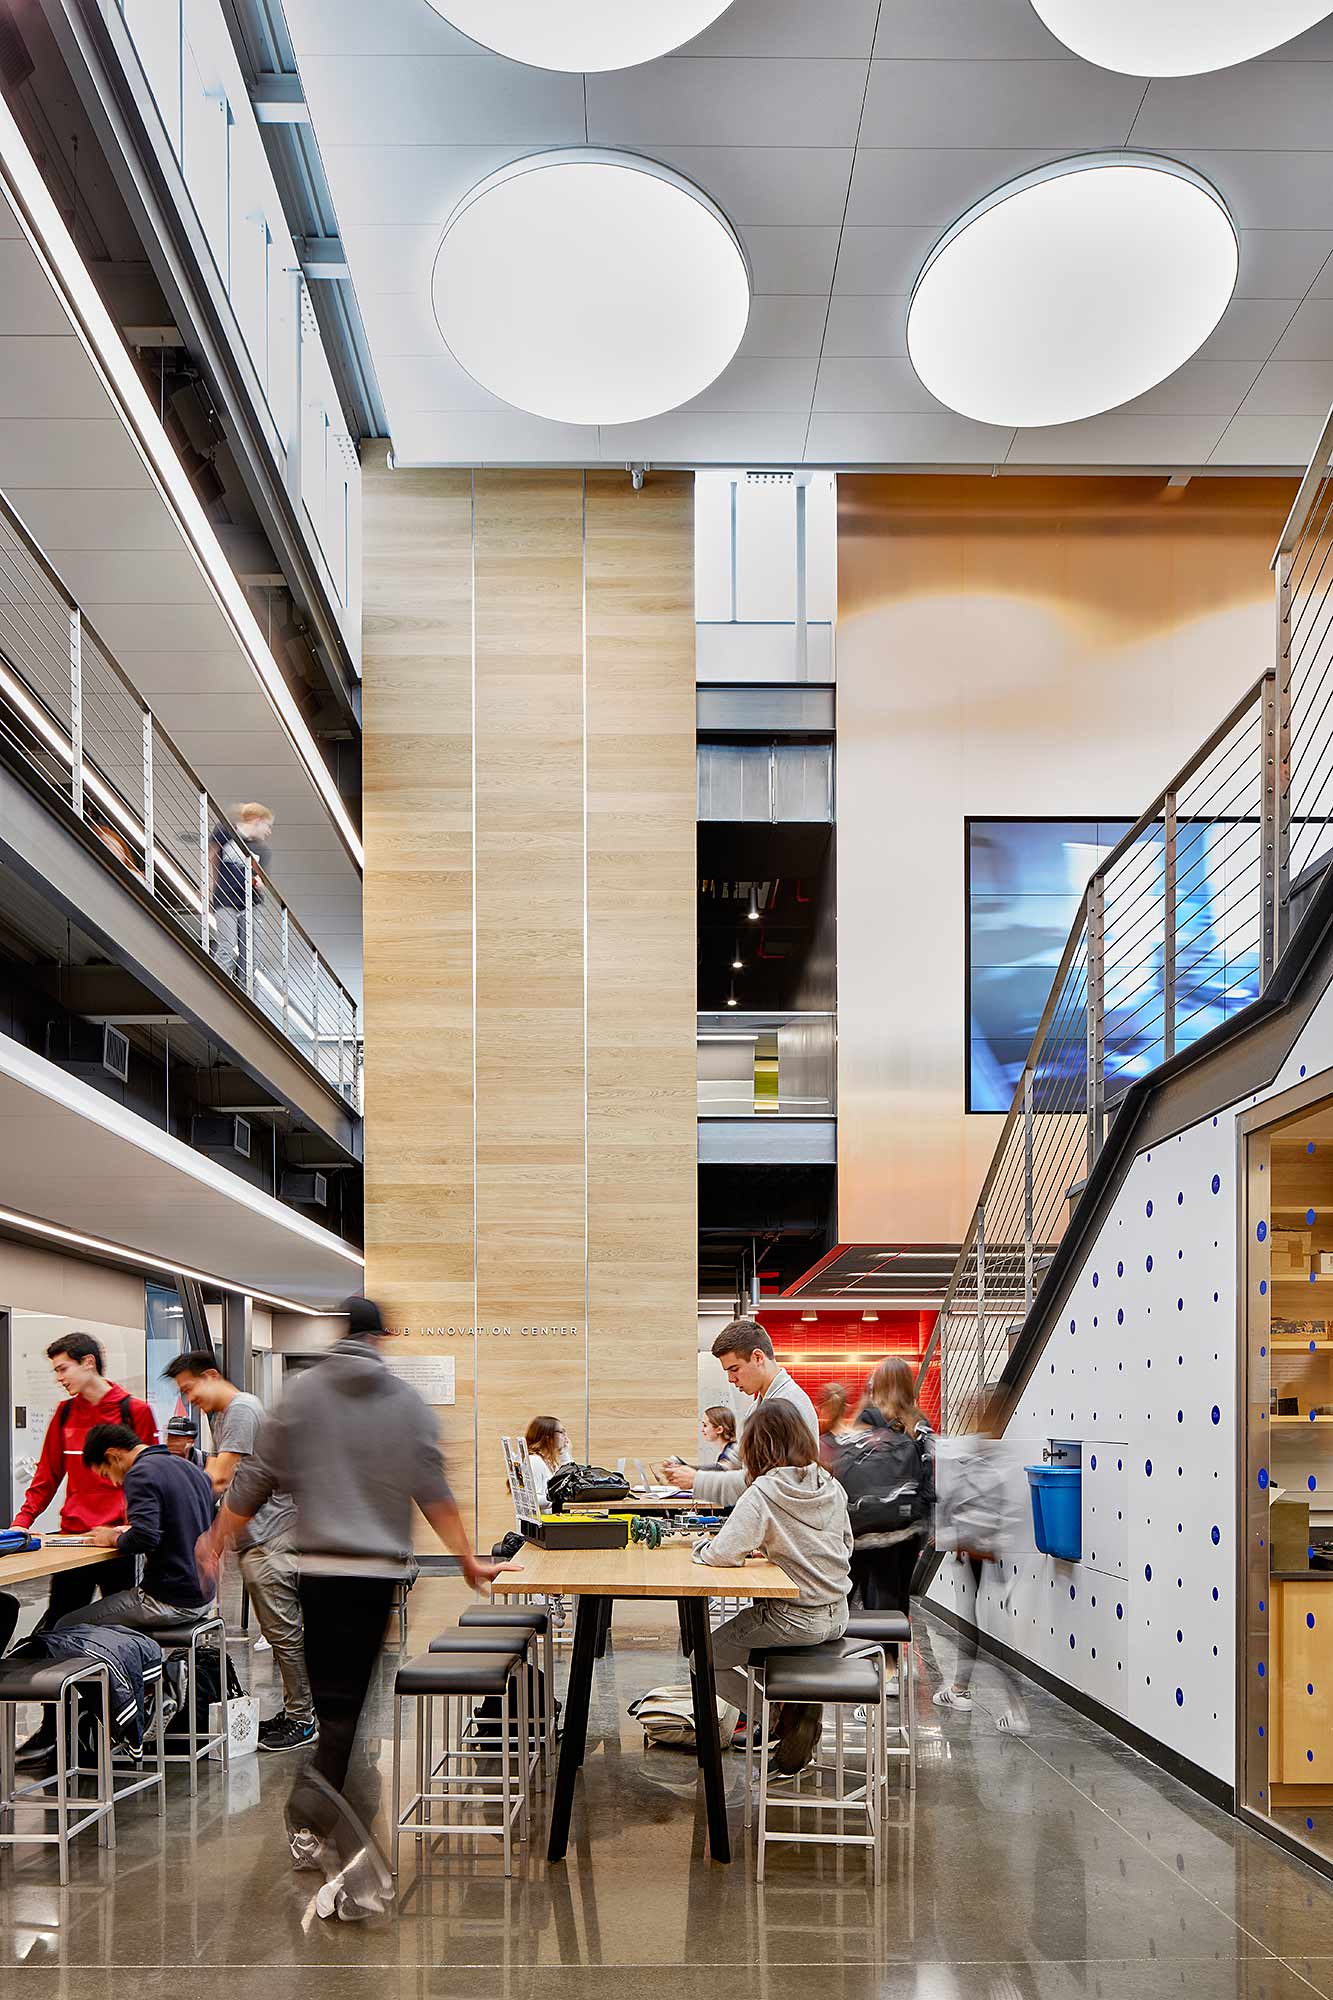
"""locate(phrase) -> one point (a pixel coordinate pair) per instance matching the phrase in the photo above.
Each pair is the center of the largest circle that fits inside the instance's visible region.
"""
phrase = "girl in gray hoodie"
(795, 1513)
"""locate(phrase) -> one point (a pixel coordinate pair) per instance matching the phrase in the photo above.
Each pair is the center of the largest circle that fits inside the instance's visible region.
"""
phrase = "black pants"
(882, 1578)
(344, 1617)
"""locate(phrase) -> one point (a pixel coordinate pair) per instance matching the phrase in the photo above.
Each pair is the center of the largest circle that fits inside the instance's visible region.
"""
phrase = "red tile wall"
(842, 1347)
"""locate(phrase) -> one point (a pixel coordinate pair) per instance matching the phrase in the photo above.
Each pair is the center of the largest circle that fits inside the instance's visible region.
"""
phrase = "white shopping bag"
(242, 1726)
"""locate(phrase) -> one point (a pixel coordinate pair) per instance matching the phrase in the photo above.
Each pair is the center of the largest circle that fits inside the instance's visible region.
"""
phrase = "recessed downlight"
(590, 287)
(581, 34)
(1072, 289)
(1176, 37)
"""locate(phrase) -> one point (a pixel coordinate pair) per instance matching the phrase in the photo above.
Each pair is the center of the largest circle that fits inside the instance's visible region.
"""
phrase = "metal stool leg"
(505, 1781)
(749, 1746)
(548, 1658)
(397, 1781)
(763, 1782)
(62, 1784)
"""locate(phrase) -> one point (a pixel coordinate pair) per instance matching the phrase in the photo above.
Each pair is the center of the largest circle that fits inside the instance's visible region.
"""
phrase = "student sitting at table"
(795, 1513)
(717, 1426)
(548, 1449)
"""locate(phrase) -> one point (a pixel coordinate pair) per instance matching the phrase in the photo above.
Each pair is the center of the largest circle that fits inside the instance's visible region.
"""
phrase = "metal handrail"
(276, 961)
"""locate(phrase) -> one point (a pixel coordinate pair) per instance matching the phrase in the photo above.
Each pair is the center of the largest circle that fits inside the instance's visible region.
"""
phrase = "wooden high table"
(596, 1577)
(49, 1560)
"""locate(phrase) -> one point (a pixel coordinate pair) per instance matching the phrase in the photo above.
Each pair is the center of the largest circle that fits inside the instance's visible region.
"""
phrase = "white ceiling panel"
(791, 260)
(1248, 330)
(759, 385)
(474, 100)
(783, 325)
(884, 382)
(958, 103)
(875, 261)
(67, 518)
(768, 184)
(1309, 335)
(905, 440)
(1269, 441)
(1003, 29)
(867, 326)
(1281, 263)
(930, 186)
(135, 576)
(506, 437)
(790, 28)
(1119, 437)
(66, 451)
(726, 101)
(1291, 389)
(1256, 104)
(839, 170)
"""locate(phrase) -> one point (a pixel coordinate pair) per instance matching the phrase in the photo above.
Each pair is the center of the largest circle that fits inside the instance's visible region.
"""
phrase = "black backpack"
(886, 1477)
(126, 1413)
(571, 1485)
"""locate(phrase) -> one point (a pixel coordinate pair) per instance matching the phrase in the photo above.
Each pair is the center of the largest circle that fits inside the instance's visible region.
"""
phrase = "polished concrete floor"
(1059, 1865)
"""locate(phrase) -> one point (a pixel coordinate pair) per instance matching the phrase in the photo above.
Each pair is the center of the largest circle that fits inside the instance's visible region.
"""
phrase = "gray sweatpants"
(767, 1625)
(272, 1579)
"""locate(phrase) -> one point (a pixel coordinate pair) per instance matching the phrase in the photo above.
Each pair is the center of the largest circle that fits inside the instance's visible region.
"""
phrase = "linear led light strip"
(36, 718)
(53, 246)
(28, 1225)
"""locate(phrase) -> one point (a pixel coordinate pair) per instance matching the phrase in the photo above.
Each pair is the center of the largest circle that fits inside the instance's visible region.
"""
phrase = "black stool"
(183, 1638)
(893, 1628)
(838, 1675)
(458, 1678)
(55, 1684)
(536, 1619)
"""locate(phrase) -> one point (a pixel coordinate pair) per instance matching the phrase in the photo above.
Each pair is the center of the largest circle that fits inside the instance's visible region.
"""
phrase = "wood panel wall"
(530, 1010)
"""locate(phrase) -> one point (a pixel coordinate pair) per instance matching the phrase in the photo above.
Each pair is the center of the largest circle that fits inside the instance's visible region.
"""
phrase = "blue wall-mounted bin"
(1057, 1510)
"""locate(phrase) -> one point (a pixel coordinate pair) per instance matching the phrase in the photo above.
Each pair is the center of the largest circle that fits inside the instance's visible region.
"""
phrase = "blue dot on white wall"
(1120, 1611)
(1263, 1286)
(1148, 1263)
(1180, 1416)
(1147, 1571)
(1214, 1593)
(1180, 1305)
(1312, 1482)
(1095, 1278)
(1262, 1231)
(1120, 1317)
(1180, 1698)
(1216, 1414)
(1217, 1183)
(1217, 1536)
(1073, 1324)
(1149, 1208)
(1094, 1467)
(1180, 1199)
(1147, 1467)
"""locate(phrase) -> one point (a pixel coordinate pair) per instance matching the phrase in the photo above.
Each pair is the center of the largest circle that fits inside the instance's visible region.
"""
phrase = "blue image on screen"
(1025, 882)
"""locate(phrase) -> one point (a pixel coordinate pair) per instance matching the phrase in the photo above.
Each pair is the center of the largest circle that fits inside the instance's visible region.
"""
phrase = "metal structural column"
(1096, 1005)
(1169, 835)
(236, 1337)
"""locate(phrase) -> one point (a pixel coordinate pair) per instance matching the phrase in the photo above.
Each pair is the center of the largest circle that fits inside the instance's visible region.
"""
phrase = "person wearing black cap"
(182, 1440)
(357, 1448)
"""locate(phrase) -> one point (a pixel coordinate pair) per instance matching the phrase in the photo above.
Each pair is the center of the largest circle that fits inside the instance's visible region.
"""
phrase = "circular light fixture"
(1176, 37)
(590, 287)
(581, 34)
(1072, 289)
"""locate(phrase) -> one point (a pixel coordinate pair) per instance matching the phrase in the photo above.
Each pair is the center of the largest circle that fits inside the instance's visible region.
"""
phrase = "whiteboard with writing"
(431, 1375)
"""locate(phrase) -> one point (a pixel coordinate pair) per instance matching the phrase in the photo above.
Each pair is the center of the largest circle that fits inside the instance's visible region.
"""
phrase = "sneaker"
(290, 1736)
(1013, 1724)
(272, 1722)
(306, 1847)
(742, 1734)
(949, 1697)
(803, 1725)
(261, 1645)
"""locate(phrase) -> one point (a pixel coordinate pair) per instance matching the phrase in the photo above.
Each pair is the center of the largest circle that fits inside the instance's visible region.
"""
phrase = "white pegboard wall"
(1142, 1369)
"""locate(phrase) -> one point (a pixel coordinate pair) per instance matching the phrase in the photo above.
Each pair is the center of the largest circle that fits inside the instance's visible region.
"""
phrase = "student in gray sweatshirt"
(795, 1513)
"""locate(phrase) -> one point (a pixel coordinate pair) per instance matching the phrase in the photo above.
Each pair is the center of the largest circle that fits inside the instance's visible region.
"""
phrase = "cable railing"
(1179, 928)
(74, 715)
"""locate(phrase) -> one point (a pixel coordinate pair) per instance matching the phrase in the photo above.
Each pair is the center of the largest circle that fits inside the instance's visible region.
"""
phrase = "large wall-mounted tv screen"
(1025, 879)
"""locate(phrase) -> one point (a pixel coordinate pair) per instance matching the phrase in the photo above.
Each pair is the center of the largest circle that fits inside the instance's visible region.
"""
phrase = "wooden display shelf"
(1291, 1344)
(1309, 1422)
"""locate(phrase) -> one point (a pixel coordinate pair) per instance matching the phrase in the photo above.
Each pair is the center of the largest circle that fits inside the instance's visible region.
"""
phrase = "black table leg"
(604, 1629)
(706, 1727)
(588, 1622)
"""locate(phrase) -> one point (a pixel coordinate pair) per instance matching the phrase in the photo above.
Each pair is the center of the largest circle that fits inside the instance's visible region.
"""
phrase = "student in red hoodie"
(78, 1364)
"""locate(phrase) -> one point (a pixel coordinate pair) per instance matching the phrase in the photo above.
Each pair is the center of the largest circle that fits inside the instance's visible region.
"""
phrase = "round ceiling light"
(1176, 37)
(1072, 289)
(581, 34)
(590, 287)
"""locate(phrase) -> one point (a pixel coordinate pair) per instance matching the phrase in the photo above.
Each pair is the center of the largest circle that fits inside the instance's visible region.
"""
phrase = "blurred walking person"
(981, 1517)
(357, 1449)
(235, 852)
